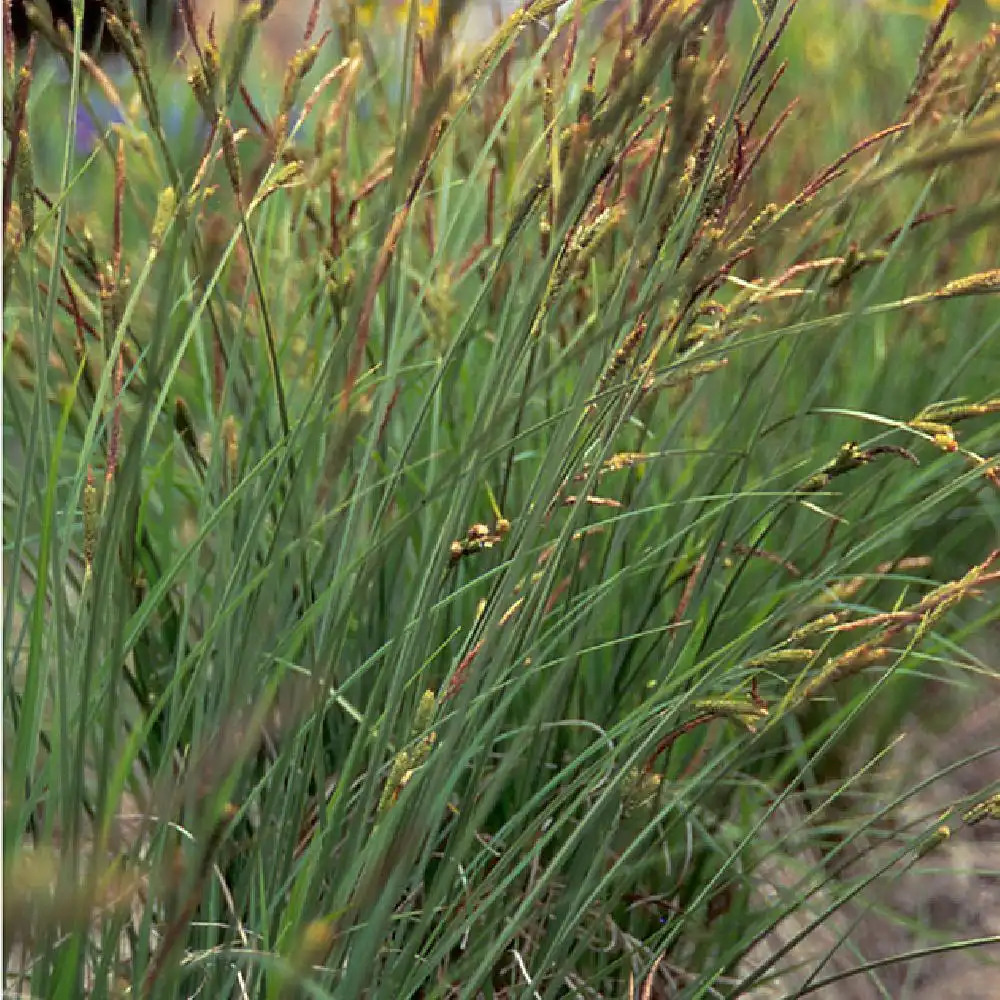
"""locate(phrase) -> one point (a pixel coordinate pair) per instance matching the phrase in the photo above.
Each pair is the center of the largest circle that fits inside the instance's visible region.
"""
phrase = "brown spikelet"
(930, 54)
(761, 148)
(835, 169)
(765, 97)
(311, 20)
(689, 589)
(255, 112)
(919, 220)
(116, 225)
(114, 440)
(14, 123)
(772, 41)
(674, 735)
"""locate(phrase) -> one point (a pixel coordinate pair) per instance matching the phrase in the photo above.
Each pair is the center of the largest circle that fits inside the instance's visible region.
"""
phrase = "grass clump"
(477, 517)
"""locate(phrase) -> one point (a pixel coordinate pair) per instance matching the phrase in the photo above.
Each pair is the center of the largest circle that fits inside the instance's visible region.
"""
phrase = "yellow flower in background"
(821, 50)
(398, 10)
(428, 13)
(930, 9)
(934, 8)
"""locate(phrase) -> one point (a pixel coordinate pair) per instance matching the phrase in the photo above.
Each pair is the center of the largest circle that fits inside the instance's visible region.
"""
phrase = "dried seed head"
(230, 443)
(24, 174)
(90, 519)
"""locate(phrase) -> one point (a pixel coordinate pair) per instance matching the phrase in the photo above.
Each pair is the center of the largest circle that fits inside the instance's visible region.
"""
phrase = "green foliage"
(460, 503)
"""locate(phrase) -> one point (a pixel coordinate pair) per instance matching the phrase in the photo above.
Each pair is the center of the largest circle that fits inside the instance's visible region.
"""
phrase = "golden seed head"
(166, 205)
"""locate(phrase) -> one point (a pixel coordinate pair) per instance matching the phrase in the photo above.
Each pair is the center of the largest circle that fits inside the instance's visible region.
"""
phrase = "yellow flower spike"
(425, 712)
(429, 14)
(368, 11)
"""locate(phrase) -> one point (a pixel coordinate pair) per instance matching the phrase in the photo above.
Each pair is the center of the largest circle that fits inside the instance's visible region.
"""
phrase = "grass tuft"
(482, 518)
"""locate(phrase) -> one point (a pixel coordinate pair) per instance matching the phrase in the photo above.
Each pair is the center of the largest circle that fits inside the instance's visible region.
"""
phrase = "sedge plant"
(479, 517)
